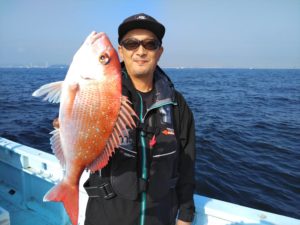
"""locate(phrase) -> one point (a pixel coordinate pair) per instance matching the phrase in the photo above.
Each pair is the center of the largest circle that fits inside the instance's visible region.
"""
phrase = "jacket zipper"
(144, 166)
(144, 154)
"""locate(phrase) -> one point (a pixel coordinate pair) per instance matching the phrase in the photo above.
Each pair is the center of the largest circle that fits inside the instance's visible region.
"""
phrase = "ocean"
(247, 129)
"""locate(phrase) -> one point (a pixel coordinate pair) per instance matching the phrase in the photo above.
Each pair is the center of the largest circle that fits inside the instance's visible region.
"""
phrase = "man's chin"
(141, 71)
(140, 74)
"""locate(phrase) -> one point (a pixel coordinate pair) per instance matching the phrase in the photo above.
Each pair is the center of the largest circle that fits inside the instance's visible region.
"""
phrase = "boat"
(26, 174)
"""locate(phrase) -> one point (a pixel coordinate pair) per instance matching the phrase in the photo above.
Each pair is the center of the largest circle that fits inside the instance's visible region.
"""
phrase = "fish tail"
(68, 195)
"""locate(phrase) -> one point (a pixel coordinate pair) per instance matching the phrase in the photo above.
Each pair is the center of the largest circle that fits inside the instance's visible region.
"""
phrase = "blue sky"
(202, 33)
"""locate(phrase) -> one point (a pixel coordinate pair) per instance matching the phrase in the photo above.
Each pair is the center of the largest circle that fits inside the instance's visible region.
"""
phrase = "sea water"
(247, 129)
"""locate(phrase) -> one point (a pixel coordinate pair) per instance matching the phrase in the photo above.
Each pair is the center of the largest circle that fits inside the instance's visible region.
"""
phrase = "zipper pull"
(152, 142)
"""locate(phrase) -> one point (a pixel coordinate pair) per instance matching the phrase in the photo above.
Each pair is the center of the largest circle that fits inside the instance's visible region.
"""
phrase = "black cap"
(141, 21)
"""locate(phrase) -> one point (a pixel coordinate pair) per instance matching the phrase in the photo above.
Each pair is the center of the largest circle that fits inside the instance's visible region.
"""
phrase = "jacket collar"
(164, 88)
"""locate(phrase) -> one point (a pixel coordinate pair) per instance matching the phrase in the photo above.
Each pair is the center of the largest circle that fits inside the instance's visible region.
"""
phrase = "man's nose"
(141, 50)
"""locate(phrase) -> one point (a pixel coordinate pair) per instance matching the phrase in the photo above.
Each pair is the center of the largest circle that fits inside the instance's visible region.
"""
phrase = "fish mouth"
(88, 77)
(96, 36)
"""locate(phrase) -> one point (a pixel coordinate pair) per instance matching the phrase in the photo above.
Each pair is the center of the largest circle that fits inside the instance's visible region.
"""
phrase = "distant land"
(65, 66)
(60, 66)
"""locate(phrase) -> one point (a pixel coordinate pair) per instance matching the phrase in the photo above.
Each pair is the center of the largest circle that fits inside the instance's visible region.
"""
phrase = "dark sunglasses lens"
(151, 44)
(130, 44)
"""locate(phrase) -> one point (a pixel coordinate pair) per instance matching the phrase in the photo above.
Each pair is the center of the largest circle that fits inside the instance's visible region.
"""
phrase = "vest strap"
(103, 190)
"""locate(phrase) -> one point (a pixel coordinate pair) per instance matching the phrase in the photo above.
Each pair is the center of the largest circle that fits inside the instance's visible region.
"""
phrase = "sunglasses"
(149, 44)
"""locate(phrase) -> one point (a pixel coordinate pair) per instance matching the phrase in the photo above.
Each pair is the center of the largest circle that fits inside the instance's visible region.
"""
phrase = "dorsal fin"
(51, 90)
(56, 147)
(124, 119)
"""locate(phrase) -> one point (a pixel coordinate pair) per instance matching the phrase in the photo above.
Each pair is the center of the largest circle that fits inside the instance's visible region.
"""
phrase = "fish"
(93, 116)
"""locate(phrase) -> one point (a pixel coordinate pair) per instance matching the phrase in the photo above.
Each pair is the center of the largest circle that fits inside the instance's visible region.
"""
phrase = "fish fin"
(69, 196)
(56, 147)
(126, 113)
(124, 119)
(51, 90)
(72, 91)
(102, 160)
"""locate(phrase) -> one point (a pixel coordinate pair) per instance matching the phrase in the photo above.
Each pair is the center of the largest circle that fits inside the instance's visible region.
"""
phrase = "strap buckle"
(107, 191)
(104, 190)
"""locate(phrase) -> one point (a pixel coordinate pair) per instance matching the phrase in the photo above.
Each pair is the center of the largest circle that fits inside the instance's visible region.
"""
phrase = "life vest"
(147, 160)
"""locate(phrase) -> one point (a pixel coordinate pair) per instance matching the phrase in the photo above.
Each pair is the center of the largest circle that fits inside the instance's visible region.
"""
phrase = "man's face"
(140, 62)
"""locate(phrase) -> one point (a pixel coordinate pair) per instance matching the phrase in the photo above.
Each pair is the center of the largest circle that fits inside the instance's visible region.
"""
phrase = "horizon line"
(164, 67)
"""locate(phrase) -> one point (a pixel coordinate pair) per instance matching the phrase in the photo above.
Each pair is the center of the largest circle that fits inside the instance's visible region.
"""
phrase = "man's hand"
(55, 123)
(180, 222)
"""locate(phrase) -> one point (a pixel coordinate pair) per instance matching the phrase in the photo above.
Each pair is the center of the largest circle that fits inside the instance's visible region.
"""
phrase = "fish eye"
(104, 58)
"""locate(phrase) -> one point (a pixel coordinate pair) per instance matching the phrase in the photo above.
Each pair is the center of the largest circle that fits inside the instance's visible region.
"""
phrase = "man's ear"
(120, 51)
(160, 52)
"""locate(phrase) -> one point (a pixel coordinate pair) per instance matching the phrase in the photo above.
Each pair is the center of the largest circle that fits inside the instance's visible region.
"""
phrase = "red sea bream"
(93, 115)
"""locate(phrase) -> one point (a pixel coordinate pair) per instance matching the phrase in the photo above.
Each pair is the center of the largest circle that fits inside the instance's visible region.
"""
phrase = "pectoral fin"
(51, 90)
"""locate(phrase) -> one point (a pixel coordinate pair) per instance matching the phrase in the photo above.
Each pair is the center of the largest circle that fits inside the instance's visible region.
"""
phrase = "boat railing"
(26, 174)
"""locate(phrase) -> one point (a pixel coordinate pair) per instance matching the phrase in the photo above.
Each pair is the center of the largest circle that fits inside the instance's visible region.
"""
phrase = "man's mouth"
(140, 61)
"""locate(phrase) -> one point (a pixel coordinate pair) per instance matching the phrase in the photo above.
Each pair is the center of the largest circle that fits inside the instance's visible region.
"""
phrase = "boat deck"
(18, 215)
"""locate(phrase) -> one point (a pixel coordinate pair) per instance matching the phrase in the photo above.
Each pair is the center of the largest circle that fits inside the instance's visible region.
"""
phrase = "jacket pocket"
(167, 154)
(162, 176)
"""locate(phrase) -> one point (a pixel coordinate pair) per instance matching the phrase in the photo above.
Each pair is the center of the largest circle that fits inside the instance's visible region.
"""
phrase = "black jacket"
(151, 175)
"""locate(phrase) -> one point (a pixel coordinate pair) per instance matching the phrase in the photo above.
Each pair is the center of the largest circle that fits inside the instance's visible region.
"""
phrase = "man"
(150, 178)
